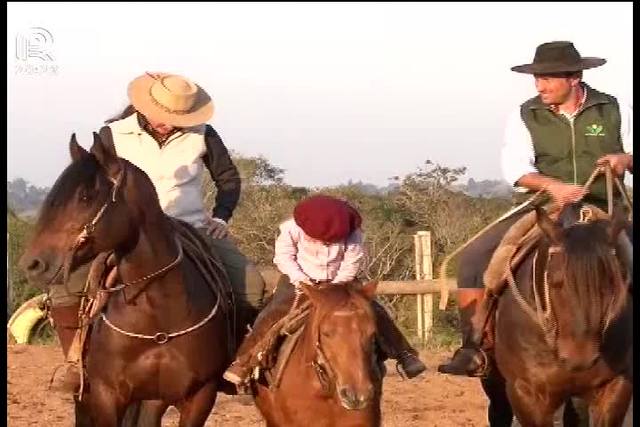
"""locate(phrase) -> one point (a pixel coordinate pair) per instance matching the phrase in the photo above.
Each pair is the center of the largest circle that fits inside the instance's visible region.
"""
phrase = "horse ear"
(107, 159)
(369, 289)
(548, 227)
(75, 149)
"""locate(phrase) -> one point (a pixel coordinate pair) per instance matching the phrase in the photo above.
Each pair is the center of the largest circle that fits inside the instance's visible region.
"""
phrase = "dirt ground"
(429, 400)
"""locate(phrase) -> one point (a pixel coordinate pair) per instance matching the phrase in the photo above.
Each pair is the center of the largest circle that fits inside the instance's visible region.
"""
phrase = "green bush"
(422, 200)
(18, 232)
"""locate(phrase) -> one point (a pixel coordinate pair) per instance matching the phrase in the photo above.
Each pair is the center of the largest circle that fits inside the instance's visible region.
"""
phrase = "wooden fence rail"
(414, 287)
(423, 287)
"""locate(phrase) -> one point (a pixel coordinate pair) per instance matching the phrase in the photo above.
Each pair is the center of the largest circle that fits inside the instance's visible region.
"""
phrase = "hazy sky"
(327, 91)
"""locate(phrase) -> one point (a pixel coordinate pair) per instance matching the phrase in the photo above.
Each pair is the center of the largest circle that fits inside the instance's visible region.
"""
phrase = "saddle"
(523, 237)
(274, 349)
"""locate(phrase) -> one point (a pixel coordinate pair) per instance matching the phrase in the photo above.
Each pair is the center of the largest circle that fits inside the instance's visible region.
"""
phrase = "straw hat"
(170, 99)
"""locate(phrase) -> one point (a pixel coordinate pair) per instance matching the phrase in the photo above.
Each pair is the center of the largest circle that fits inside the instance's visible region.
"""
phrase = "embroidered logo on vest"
(595, 130)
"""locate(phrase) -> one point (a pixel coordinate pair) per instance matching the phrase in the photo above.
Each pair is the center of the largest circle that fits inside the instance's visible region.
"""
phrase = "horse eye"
(326, 334)
(84, 197)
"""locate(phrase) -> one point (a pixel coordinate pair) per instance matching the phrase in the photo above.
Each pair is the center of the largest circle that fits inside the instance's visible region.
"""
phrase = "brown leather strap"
(609, 183)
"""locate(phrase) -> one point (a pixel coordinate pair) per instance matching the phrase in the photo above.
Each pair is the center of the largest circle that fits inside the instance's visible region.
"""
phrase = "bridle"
(87, 233)
(89, 228)
(543, 314)
(325, 372)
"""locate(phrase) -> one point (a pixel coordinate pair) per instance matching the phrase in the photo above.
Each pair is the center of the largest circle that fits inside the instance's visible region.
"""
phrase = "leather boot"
(395, 345)
(469, 359)
(239, 371)
(65, 323)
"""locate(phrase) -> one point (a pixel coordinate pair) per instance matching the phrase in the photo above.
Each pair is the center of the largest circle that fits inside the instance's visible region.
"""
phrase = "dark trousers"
(475, 258)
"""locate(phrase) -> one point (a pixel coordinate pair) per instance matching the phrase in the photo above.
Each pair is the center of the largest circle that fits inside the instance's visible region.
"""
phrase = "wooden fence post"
(427, 274)
(418, 265)
(424, 271)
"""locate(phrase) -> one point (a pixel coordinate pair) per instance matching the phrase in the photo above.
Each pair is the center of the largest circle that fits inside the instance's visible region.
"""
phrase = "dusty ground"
(431, 400)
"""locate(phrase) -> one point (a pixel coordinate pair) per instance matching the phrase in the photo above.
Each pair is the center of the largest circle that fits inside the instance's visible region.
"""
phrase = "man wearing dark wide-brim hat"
(553, 142)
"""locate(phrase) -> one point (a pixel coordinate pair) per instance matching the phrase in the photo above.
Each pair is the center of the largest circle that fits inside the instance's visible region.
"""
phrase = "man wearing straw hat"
(552, 142)
(164, 132)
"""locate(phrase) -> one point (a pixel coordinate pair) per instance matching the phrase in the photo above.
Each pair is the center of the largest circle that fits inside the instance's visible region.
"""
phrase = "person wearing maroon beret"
(322, 243)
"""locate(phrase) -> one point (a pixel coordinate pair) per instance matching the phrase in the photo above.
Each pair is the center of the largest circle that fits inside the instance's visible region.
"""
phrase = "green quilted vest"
(568, 151)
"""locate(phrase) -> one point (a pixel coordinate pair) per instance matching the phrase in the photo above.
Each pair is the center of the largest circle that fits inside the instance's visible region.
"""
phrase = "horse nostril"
(347, 394)
(352, 400)
(35, 267)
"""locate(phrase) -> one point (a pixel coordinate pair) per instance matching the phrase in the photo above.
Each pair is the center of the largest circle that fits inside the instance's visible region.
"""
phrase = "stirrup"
(464, 371)
(399, 364)
(485, 365)
(400, 371)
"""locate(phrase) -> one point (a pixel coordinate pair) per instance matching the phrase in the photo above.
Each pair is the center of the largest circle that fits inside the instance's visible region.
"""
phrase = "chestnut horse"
(332, 377)
(578, 342)
(165, 336)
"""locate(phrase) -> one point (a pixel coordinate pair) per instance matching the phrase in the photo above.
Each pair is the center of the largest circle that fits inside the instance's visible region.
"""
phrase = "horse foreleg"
(500, 413)
(107, 409)
(575, 413)
(195, 410)
(147, 413)
(609, 405)
(82, 414)
(531, 408)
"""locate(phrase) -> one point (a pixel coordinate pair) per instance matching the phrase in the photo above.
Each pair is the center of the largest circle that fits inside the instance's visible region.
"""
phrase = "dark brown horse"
(165, 336)
(332, 377)
(576, 341)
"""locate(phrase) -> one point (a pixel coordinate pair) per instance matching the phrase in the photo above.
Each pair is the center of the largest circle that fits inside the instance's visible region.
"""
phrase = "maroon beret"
(326, 218)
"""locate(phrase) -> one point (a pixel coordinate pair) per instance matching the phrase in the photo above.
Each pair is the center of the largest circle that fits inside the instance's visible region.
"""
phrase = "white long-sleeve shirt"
(517, 158)
(302, 258)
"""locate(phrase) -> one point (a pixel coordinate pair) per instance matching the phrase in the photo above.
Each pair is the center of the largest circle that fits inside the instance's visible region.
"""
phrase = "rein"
(543, 315)
(163, 337)
(610, 180)
(89, 229)
(87, 233)
(150, 276)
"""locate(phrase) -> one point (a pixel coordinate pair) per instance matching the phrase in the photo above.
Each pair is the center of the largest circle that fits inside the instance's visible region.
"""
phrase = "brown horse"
(165, 335)
(576, 341)
(332, 377)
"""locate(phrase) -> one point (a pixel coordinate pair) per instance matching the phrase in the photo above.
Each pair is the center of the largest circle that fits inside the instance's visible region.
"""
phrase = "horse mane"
(591, 274)
(83, 172)
(336, 296)
(87, 173)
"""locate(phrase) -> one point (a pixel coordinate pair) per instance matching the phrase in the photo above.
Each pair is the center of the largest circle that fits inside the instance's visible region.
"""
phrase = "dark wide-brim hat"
(558, 57)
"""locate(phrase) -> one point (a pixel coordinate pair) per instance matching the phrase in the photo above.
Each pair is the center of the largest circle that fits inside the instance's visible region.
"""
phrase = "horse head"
(343, 329)
(91, 208)
(583, 279)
